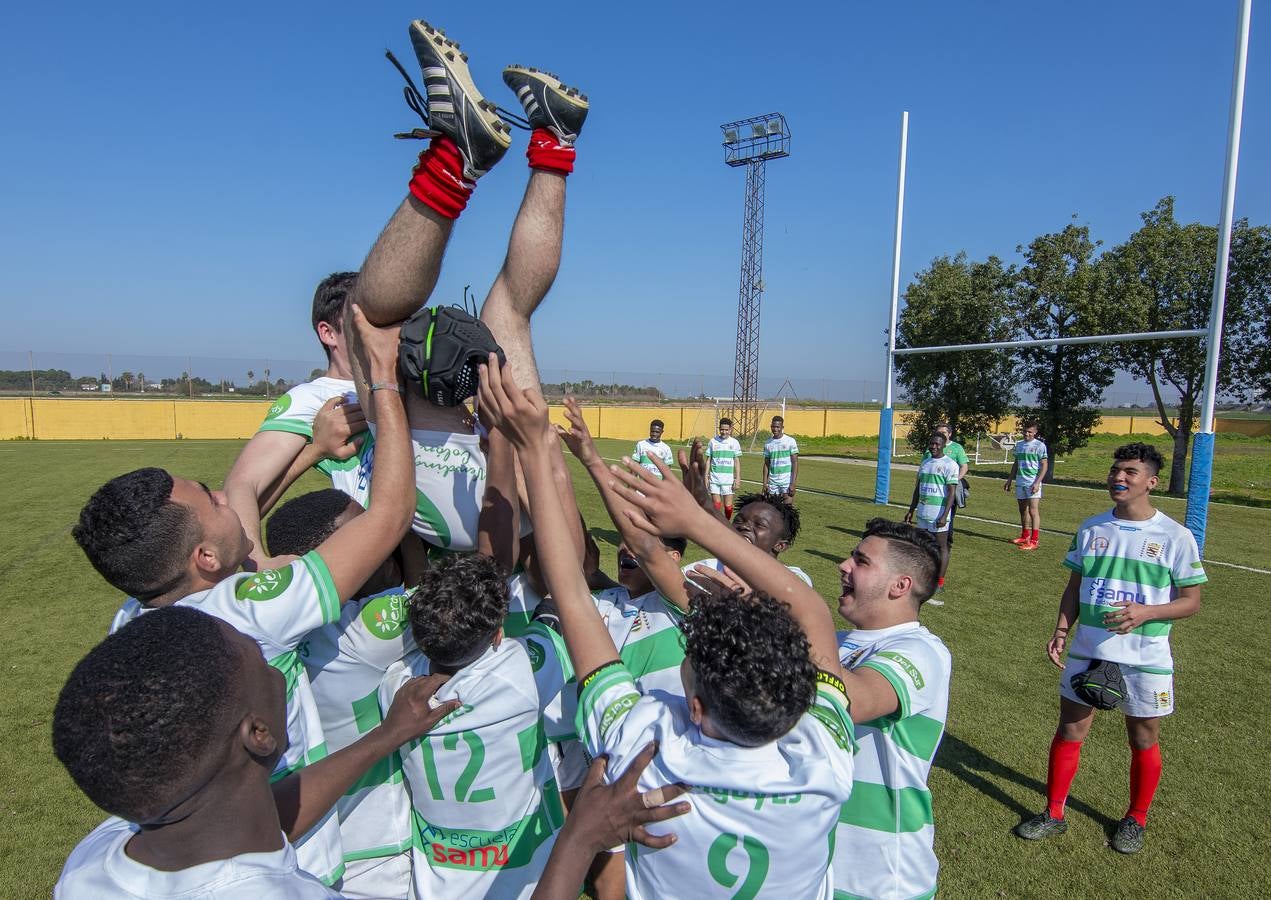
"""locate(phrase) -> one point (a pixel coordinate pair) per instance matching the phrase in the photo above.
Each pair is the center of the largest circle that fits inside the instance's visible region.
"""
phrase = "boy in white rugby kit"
(1028, 471)
(932, 502)
(165, 540)
(1134, 571)
(647, 450)
(770, 769)
(780, 461)
(723, 458)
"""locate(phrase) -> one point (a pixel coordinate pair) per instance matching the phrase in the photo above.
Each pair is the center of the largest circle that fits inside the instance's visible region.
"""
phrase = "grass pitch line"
(962, 515)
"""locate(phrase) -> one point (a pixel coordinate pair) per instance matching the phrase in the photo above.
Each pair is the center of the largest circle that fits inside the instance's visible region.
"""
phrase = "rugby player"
(935, 491)
(780, 461)
(723, 459)
(1028, 471)
(1134, 572)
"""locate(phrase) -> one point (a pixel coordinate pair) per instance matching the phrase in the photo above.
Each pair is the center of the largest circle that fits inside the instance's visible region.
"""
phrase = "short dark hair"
(726, 421)
(752, 667)
(460, 603)
(912, 551)
(329, 300)
(140, 711)
(136, 535)
(678, 544)
(1141, 452)
(305, 522)
(781, 419)
(657, 422)
(1032, 423)
(789, 514)
(936, 434)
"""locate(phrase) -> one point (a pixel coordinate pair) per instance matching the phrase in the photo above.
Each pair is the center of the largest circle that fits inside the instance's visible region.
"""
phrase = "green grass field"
(990, 771)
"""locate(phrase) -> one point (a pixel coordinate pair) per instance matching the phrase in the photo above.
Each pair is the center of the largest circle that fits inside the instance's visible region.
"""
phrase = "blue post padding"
(1198, 486)
(882, 481)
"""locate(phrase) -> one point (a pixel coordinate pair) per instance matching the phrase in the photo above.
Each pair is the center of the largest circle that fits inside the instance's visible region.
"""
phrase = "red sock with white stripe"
(1065, 756)
(438, 180)
(1145, 775)
(546, 153)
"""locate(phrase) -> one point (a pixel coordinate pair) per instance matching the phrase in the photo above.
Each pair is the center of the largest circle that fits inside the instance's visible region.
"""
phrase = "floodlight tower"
(751, 143)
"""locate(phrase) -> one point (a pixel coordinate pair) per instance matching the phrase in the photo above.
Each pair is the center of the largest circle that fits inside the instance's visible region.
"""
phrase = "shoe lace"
(419, 104)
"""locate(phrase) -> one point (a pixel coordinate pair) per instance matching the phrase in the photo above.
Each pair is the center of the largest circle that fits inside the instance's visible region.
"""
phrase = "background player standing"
(647, 449)
(723, 457)
(1027, 473)
(1134, 571)
(933, 499)
(780, 461)
(957, 453)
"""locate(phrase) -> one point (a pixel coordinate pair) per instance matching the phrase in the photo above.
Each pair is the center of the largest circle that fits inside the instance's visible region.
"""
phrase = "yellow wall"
(166, 419)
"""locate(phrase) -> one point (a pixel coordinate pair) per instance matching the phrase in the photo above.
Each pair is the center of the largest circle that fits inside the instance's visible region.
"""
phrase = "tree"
(1061, 292)
(126, 379)
(1250, 270)
(957, 302)
(141, 381)
(1163, 280)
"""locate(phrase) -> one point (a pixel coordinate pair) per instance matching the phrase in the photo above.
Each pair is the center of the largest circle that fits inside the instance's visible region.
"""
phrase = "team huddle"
(420, 683)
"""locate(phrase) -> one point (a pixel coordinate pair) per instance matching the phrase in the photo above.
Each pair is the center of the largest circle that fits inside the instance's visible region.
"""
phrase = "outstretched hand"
(379, 345)
(663, 507)
(578, 436)
(520, 414)
(339, 428)
(693, 468)
(616, 814)
(413, 713)
(703, 582)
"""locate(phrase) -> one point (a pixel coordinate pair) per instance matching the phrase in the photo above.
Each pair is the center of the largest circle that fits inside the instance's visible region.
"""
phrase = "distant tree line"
(1159, 279)
(47, 380)
(591, 390)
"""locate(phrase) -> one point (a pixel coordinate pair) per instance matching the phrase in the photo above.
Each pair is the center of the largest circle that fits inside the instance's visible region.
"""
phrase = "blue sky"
(177, 178)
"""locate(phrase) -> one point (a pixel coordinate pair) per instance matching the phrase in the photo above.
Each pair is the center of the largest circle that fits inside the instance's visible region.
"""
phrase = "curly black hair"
(751, 665)
(303, 523)
(910, 551)
(461, 602)
(136, 536)
(1142, 453)
(789, 513)
(140, 712)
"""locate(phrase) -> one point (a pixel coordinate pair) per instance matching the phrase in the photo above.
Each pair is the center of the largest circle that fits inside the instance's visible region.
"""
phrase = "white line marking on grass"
(1011, 525)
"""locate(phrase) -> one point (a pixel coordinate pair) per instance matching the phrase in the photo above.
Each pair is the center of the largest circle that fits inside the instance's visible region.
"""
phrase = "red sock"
(438, 181)
(1064, 757)
(940, 581)
(547, 154)
(719, 504)
(1145, 775)
(1023, 532)
(1036, 534)
(728, 511)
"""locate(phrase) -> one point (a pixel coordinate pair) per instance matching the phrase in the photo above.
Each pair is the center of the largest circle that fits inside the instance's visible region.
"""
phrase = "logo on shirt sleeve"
(906, 666)
(385, 617)
(281, 405)
(537, 656)
(264, 585)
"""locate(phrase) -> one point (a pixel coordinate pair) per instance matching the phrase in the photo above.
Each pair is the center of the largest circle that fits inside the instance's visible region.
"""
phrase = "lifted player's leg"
(556, 114)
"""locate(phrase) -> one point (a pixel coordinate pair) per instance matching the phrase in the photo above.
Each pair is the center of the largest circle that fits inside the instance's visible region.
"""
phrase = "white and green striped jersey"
(486, 803)
(278, 608)
(346, 662)
(722, 455)
(645, 450)
(1029, 456)
(522, 601)
(779, 454)
(646, 631)
(719, 567)
(936, 477)
(884, 844)
(295, 411)
(1140, 562)
(450, 473)
(761, 818)
(100, 869)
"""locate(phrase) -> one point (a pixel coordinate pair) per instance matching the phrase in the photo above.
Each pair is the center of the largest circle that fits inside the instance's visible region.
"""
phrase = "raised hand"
(413, 713)
(379, 345)
(704, 582)
(693, 468)
(338, 428)
(578, 436)
(520, 414)
(662, 506)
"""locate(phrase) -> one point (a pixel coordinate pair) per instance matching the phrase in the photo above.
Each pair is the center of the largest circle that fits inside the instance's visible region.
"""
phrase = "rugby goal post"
(1201, 473)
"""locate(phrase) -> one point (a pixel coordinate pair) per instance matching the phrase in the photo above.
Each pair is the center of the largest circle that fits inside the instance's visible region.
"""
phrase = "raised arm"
(499, 525)
(357, 549)
(522, 416)
(666, 507)
(648, 548)
(259, 467)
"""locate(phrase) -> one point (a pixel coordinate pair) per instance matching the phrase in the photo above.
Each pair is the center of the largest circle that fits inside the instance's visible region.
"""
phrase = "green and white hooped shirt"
(884, 844)
(278, 608)
(486, 806)
(646, 450)
(346, 662)
(1142, 562)
(450, 476)
(722, 455)
(646, 631)
(935, 477)
(761, 818)
(1029, 456)
(295, 411)
(779, 452)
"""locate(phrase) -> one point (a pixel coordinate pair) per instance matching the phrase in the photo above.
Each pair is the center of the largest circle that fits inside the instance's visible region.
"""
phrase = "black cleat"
(1042, 825)
(547, 102)
(1129, 836)
(455, 106)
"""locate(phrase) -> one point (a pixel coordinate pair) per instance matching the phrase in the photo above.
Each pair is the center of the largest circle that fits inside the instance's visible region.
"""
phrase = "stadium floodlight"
(751, 143)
